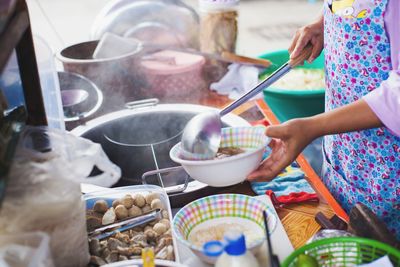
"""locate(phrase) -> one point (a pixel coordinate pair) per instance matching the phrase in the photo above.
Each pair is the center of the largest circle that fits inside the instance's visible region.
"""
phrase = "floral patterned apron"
(361, 166)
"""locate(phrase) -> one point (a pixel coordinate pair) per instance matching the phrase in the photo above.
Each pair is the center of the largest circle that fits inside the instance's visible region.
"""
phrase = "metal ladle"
(202, 134)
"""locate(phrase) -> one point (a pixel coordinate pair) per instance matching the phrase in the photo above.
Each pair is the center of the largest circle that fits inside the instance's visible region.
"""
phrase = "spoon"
(202, 134)
(73, 97)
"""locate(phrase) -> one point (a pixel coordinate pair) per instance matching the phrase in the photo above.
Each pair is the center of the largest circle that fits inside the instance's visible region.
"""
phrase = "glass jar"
(218, 25)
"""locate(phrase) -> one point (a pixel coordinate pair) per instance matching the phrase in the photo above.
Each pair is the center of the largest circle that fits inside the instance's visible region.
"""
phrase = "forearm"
(352, 117)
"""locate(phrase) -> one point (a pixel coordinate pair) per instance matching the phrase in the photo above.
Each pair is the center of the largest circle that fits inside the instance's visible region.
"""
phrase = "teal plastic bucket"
(289, 104)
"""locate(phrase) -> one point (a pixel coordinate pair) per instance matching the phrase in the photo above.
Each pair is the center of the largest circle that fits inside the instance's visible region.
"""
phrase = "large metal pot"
(115, 76)
(139, 140)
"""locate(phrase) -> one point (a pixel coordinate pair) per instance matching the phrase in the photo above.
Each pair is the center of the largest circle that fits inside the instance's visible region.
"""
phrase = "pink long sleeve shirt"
(385, 100)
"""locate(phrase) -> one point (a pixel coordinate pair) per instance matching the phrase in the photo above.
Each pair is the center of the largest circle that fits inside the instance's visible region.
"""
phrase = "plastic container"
(289, 104)
(49, 84)
(109, 195)
(25, 250)
(235, 253)
(171, 74)
(344, 251)
(218, 25)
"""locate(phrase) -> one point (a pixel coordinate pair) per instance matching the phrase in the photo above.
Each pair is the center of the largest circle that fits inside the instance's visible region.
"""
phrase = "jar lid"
(171, 62)
(217, 4)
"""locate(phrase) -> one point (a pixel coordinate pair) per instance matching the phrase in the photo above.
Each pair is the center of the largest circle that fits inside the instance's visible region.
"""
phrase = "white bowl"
(230, 170)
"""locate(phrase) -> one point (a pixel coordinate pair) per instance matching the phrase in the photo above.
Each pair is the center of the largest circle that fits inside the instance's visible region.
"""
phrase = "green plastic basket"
(345, 251)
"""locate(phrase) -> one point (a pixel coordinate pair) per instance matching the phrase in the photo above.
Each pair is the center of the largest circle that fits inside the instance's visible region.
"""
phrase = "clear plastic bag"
(44, 194)
(25, 250)
(78, 154)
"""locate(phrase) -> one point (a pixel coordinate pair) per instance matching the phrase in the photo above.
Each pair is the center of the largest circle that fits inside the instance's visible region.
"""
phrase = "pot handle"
(166, 170)
(142, 103)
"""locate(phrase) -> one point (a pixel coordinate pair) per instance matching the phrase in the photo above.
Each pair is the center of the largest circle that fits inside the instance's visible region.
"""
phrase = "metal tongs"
(111, 229)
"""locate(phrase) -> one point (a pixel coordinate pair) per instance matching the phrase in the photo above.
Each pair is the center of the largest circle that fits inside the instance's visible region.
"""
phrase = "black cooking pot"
(138, 140)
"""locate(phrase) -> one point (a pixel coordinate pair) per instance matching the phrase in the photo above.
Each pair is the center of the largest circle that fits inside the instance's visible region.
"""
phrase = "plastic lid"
(236, 243)
(171, 62)
(213, 248)
(217, 4)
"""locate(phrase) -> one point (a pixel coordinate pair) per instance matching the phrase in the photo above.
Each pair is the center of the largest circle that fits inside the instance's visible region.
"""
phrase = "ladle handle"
(276, 75)
(304, 55)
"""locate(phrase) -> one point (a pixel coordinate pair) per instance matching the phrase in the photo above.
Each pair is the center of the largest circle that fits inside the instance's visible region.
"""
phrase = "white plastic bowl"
(230, 170)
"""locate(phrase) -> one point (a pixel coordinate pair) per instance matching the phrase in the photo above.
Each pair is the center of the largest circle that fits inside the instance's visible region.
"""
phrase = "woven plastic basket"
(345, 251)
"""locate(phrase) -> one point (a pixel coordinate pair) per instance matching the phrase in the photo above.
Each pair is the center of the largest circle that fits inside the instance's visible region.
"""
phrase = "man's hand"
(312, 33)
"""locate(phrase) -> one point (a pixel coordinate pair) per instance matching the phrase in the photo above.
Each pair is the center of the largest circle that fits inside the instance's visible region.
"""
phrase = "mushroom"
(146, 208)
(112, 257)
(156, 204)
(121, 211)
(113, 243)
(139, 237)
(134, 211)
(151, 235)
(122, 237)
(163, 241)
(139, 200)
(166, 253)
(115, 203)
(105, 253)
(127, 201)
(151, 196)
(93, 220)
(165, 222)
(109, 217)
(160, 228)
(128, 251)
(94, 247)
(100, 206)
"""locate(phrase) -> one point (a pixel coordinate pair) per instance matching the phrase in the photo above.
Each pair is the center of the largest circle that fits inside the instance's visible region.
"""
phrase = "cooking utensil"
(333, 223)
(100, 233)
(73, 97)
(202, 134)
(273, 259)
(364, 223)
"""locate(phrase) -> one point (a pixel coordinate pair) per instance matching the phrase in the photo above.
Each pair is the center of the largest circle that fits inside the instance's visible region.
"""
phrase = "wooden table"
(297, 219)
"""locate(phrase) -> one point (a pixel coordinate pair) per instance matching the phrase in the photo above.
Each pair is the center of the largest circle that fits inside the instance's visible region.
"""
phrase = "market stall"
(117, 189)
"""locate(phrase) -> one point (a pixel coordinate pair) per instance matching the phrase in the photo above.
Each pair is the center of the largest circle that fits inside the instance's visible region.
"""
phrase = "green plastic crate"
(289, 104)
(344, 252)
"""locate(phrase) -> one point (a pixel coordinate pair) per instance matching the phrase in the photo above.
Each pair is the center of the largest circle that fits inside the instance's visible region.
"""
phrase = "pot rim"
(91, 124)
(67, 60)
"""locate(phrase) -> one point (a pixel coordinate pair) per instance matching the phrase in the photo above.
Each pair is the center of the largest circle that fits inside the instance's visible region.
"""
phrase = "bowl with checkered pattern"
(209, 218)
(226, 170)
